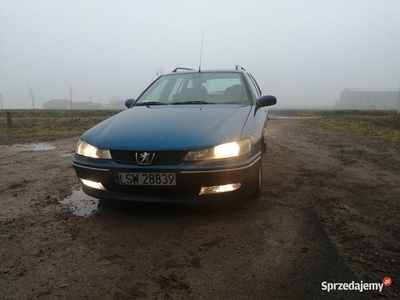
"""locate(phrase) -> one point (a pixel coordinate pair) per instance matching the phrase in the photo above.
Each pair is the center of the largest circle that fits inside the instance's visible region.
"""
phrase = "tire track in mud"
(352, 184)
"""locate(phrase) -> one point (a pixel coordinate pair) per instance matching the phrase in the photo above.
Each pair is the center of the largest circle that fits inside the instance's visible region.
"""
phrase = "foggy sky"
(303, 52)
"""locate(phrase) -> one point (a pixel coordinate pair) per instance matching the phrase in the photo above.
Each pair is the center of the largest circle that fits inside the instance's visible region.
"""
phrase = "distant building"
(66, 104)
(380, 98)
(118, 104)
(57, 104)
(87, 105)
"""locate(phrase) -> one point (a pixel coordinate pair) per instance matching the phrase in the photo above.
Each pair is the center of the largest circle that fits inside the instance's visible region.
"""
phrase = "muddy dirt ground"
(329, 212)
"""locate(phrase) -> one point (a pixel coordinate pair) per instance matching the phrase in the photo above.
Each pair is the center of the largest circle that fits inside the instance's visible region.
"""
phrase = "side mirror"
(267, 101)
(129, 102)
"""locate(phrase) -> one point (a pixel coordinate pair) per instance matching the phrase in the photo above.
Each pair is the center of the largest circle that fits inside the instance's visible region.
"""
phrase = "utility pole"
(1, 100)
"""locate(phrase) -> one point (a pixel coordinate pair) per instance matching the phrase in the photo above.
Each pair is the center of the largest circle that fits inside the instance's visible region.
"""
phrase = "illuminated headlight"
(219, 188)
(93, 184)
(227, 150)
(85, 149)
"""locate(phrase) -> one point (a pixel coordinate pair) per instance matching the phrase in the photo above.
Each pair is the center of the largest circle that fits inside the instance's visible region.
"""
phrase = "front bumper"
(190, 178)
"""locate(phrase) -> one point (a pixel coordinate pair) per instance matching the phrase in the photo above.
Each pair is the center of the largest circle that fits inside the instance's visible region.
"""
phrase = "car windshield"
(196, 88)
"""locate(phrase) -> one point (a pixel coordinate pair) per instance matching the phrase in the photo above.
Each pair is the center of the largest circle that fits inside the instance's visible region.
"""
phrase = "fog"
(303, 52)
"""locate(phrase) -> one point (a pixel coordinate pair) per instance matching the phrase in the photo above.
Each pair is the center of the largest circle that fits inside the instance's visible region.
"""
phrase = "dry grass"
(378, 125)
(46, 125)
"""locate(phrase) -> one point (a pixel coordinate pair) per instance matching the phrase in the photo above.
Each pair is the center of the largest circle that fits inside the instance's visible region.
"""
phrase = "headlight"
(227, 150)
(85, 149)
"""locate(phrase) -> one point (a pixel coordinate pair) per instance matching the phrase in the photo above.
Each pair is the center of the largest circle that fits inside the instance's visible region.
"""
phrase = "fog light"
(93, 184)
(219, 188)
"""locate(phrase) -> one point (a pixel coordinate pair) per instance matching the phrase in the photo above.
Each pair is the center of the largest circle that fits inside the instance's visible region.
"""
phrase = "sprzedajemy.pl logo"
(356, 286)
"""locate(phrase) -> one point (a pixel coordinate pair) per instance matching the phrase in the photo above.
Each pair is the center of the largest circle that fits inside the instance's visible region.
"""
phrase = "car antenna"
(201, 50)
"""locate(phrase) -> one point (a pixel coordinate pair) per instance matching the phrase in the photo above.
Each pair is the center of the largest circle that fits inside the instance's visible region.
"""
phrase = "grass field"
(30, 126)
(45, 125)
(373, 124)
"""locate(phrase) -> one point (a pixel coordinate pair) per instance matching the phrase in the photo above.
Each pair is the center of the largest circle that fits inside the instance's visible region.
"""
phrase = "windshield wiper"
(192, 102)
(149, 103)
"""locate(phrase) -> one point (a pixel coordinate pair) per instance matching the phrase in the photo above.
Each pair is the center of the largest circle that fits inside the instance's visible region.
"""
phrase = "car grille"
(160, 158)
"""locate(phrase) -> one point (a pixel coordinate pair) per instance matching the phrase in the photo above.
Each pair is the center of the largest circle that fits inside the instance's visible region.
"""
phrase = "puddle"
(81, 204)
(32, 147)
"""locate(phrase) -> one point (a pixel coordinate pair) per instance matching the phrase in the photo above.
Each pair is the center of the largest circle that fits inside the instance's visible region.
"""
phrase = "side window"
(256, 85)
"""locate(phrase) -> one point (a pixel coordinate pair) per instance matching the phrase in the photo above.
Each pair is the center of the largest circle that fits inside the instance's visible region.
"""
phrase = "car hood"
(169, 127)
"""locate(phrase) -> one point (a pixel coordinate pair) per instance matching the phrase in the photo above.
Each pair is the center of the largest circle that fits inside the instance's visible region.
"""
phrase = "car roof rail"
(239, 67)
(179, 68)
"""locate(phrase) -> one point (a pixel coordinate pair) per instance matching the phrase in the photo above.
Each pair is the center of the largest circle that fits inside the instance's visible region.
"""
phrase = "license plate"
(147, 178)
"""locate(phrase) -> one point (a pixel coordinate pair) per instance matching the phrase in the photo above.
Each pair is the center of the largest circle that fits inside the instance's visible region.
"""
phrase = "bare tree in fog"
(71, 93)
(32, 95)
(160, 71)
